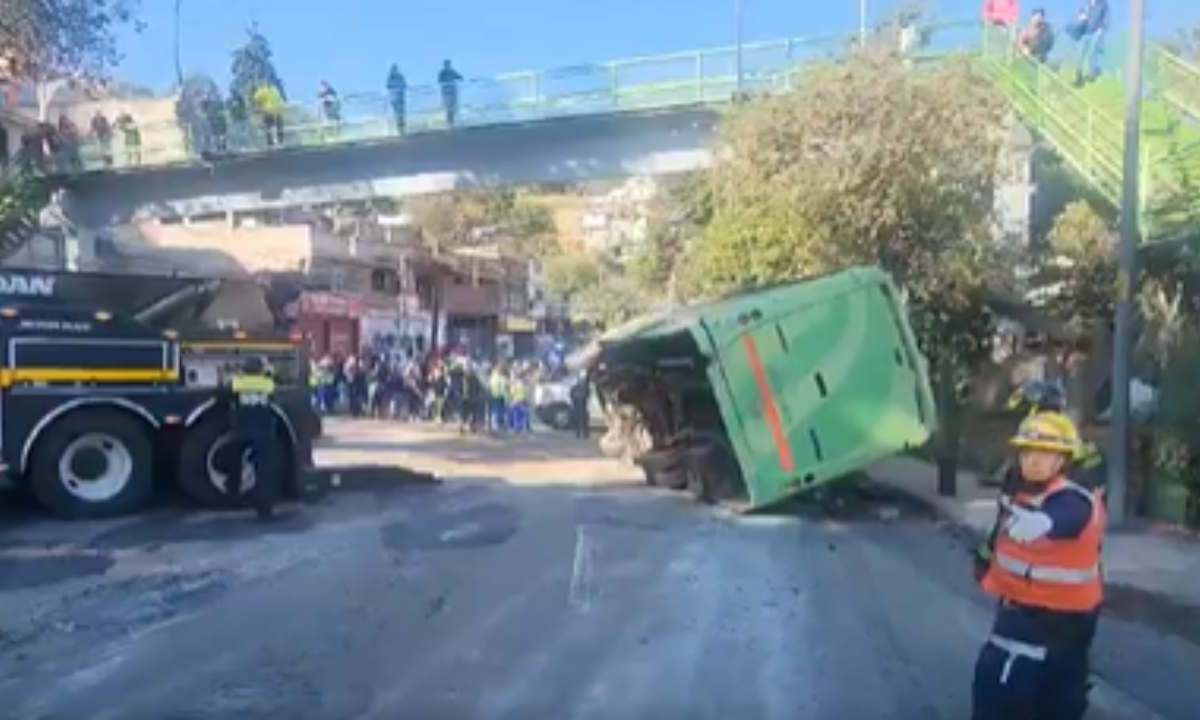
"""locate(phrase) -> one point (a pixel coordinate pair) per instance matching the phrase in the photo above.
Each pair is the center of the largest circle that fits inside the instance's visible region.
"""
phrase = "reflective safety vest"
(518, 391)
(499, 385)
(253, 389)
(1061, 575)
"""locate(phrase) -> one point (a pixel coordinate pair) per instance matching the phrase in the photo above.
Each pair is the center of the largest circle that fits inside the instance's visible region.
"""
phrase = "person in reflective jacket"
(254, 425)
(1045, 570)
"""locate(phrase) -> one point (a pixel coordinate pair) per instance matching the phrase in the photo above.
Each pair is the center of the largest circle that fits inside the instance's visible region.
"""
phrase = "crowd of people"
(57, 146)
(450, 388)
(267, 108)
(1035, 40)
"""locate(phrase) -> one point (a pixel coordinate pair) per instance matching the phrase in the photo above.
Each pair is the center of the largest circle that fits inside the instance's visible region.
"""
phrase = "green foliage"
(45, 38)
(866, 162)
(526, 224)
(253, 67)
(611, 302)
(569, 275)
(678, 218)
(1083, 248)
(523, 226)
(21, 197)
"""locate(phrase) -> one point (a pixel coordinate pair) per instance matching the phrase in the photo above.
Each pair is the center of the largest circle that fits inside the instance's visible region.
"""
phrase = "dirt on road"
(540, 458)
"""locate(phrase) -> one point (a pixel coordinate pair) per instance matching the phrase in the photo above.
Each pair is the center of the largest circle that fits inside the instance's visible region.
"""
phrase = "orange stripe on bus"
(786, 460)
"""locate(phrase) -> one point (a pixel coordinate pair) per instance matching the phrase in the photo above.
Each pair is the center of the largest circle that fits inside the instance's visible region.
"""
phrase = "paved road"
(478, 597)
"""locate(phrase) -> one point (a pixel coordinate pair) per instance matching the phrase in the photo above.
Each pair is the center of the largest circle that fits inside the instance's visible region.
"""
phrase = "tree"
(1084, 264)
(678, 217)
(253, 67)
(21, 197)
(447, 219)
(869, 162)
(458, 219)
(41, 39)
(569, 275)
(194, 93)
(526, 224)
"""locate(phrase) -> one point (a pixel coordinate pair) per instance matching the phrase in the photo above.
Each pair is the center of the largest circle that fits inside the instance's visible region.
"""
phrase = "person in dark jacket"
(397, 88)
(449, 80)
(1091, 26)
(579, 406)
(102, 133)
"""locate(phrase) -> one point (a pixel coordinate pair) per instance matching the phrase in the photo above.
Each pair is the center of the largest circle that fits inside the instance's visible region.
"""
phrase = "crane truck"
(111, 387)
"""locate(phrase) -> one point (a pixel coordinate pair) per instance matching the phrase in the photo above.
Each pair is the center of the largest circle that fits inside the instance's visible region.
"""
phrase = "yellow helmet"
(1050, 431)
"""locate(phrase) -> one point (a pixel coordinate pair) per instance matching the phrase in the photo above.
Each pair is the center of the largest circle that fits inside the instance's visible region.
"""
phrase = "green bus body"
(805, 382)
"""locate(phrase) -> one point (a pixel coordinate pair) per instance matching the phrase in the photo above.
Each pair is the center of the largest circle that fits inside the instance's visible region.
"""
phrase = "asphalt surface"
(483, 597)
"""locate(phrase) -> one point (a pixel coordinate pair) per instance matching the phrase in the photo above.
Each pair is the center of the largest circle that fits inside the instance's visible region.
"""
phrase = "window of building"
(386, 281)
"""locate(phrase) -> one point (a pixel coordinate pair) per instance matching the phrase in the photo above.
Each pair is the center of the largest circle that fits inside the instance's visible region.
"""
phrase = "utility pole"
(1118, 468)
(178, 61)
(737, 9)
(862, 22)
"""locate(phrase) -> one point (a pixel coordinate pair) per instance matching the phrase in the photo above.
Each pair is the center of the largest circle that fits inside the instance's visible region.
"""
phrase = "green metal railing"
(1088, 137)
(1176, 79)
(658, 82)
(1086, 126)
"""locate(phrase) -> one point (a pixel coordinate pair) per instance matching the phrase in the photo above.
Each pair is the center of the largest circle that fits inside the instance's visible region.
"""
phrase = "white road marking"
(579, 596)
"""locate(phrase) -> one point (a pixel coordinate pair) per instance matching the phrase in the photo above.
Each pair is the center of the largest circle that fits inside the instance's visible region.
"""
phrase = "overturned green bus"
(768, 392)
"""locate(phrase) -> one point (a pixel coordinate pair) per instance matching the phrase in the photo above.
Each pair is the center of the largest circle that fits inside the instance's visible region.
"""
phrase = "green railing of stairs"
(1086, 126)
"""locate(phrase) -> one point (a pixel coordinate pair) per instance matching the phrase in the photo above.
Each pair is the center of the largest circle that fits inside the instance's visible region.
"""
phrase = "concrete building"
(617, 220)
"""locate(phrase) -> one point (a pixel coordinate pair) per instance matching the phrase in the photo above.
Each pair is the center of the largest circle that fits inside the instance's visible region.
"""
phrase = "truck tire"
(93, 463)
(207, 457)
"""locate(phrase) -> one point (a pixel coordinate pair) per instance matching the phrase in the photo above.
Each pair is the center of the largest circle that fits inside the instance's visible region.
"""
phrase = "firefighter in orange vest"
(1045, 570)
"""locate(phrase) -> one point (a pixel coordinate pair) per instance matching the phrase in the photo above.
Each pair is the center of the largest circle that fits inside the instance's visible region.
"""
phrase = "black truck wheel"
(93, 463)
(208, 459)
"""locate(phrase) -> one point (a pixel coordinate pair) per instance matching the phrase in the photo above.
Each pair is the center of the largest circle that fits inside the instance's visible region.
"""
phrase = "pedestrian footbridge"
(608, 120)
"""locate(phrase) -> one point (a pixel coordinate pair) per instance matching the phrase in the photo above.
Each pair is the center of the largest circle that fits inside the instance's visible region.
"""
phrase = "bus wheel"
(209, 457)
(93, 463)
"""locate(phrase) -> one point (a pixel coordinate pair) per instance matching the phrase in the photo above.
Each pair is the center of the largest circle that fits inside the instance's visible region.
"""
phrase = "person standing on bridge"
(1037, 39)
(331, 104)
(1005, 13)
(449, 80)
(1045, 569)
(268, 101)
(102, 133)
(397, 88)
(1090, 28)
(133, 139)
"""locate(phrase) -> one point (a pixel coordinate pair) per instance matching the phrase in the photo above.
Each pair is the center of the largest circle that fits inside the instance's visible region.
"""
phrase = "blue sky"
(351, 43)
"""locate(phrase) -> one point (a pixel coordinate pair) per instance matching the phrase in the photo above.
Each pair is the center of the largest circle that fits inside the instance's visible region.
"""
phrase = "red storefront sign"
(326, 303)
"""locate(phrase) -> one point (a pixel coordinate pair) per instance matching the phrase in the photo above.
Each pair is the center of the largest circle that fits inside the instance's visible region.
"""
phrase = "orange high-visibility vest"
(1059, 575)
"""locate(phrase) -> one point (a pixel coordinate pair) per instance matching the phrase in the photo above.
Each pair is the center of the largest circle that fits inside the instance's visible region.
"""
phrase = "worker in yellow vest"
(1045, 570)
(518, 394)
(498, 398)
(254, 424)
